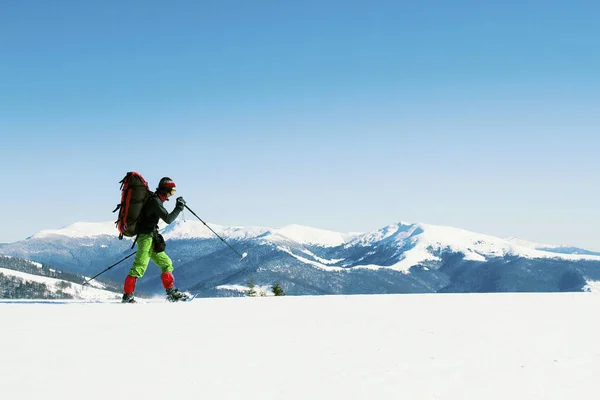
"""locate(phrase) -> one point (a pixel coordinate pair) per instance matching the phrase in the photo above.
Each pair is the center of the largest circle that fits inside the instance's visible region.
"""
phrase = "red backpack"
(134, 194)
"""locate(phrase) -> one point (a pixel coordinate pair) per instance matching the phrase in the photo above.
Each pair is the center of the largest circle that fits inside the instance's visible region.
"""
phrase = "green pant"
(145, 253)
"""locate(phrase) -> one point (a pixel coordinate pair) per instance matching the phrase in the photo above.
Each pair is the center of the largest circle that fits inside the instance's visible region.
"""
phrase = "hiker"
(151, 244)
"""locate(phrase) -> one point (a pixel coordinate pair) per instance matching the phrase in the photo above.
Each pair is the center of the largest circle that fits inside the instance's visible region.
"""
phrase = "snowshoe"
(128, 298)
(173, 295)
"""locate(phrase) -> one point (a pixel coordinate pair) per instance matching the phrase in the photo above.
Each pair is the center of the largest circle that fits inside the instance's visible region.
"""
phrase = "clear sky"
(341, 115)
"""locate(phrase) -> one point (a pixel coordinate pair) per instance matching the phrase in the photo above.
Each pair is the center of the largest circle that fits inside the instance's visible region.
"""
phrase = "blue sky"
(342, 115)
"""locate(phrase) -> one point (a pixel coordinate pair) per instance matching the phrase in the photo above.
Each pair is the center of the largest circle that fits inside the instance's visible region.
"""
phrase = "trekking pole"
(97, 275)
(224, 241)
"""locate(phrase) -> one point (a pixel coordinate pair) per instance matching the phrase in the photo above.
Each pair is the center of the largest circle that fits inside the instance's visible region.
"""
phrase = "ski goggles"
(168, 188)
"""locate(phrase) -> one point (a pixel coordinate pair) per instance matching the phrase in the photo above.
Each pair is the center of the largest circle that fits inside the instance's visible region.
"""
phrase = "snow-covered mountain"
(79, 230)
(422, 243)
(551, 248)
(398, 258)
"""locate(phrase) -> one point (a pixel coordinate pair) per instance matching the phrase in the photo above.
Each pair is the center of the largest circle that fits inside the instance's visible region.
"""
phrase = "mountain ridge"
(398, 258)
(308, 235)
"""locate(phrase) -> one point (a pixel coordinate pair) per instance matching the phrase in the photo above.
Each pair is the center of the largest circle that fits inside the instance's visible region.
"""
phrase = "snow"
(369, 238)
(478, 246)
(311, 236)
(76, 290)
(529, 244)
(82, 230)
(193, 229)
(311, 262)
(259, 289)
(235, 288)
(322, 260)
(592, 286)
(426, 240)
(426, 347)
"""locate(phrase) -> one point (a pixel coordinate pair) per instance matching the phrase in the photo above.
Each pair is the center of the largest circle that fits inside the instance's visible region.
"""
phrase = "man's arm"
(164, 214)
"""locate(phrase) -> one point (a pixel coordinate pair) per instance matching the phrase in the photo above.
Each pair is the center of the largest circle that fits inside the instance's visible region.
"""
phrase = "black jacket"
(152, 212)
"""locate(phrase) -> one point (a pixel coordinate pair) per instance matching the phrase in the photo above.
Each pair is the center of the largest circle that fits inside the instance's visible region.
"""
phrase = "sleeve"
(163, 214)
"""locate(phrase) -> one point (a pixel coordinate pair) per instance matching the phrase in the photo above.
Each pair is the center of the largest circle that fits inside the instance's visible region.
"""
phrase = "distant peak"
(403, 223)
(313, 236)
(81, 229)
(193, 229)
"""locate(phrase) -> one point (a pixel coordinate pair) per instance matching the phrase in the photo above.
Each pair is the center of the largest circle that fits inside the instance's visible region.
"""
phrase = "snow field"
(437, 346)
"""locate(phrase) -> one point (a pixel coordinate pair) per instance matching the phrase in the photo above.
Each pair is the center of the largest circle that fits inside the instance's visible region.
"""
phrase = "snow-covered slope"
(296, 233)
(592, 286)
(197, 230)
(560, 249)
(309, 236)
(425, 347)
(81, 230)
(528, 243)
(95, 291)
(422, 243)
(193, 229)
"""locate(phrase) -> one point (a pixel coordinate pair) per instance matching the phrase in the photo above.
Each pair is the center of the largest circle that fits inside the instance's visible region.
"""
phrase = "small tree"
(63, 285)
(251, 291)
(277, 290)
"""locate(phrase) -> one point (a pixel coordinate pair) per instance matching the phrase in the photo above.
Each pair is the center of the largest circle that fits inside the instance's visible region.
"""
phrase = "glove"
(180, 202)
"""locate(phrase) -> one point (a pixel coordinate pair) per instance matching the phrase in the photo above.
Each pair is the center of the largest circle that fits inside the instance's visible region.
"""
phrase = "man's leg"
(166, 266)
(140, 262)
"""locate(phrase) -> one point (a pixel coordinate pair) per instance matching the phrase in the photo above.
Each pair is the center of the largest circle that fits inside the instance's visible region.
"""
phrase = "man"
(149, 242)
